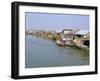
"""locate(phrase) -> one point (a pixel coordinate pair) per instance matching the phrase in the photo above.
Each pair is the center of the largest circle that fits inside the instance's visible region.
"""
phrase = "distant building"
(82, 32)
(82, 40)
(68, 34)
(87, 36)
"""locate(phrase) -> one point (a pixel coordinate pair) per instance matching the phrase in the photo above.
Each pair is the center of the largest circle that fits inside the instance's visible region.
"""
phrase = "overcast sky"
(48, 21)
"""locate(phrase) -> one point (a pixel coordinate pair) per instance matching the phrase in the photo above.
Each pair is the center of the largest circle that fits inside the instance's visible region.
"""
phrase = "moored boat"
(60, 43)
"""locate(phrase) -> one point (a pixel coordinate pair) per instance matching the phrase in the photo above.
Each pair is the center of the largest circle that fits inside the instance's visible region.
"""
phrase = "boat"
(60, 43)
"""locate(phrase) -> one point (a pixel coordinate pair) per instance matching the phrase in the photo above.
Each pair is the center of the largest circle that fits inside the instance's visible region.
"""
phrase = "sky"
(51, 21)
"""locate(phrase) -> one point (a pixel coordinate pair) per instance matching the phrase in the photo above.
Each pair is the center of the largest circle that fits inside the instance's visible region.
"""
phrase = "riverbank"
(55, 37)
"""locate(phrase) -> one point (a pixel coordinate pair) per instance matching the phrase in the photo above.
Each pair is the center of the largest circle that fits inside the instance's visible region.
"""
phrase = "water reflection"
(45, 53)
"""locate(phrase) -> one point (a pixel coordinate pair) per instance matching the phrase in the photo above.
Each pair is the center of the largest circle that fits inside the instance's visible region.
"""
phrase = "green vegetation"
(54, 37)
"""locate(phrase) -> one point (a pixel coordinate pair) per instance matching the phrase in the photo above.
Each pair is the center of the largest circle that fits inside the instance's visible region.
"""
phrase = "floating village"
(65, 37)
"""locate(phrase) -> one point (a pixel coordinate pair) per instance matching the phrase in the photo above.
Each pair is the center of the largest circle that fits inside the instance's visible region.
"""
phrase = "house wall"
(78, 42)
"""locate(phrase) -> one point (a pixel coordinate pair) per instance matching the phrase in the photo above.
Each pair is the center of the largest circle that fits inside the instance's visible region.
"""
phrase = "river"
(41, 52)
